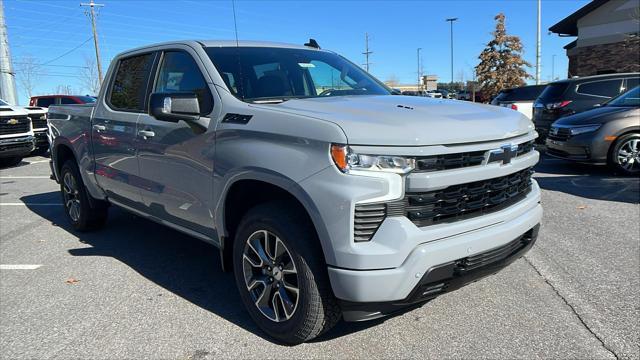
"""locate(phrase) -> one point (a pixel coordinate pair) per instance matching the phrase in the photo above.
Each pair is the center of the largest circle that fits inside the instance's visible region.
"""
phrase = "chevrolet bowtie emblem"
(12, 121)
(504, 154)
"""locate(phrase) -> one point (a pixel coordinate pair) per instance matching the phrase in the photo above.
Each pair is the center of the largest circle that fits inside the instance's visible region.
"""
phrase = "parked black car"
(609, 134)
(571, 96)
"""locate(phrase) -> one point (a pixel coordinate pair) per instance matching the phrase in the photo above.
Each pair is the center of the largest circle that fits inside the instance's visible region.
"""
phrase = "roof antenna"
(312, 43)
(235, 23)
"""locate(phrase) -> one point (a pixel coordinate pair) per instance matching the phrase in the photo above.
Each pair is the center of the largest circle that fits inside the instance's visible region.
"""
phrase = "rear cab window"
(45, 101)
(129, 86)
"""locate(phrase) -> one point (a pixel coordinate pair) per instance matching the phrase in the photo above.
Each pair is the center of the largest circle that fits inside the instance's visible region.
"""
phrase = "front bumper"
(41, 139)
(396, 284)
(584, 148)
(18, 146)
(446, 277)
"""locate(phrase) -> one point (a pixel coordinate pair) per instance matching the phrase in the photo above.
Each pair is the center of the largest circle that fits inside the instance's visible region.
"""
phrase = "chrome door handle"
(146, 134)
(99, 128)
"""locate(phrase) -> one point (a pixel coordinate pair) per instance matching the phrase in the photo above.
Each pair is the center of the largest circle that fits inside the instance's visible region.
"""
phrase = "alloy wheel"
(71, 196)
(270, 276)
(629, 155)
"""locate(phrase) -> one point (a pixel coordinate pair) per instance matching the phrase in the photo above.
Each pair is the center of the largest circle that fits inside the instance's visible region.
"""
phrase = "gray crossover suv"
(327, 196)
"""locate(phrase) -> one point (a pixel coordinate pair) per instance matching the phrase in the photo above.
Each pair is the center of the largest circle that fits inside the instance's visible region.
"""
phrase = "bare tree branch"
(28, 73)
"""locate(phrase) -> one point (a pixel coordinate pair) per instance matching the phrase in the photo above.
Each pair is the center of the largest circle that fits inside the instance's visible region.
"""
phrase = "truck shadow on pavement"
(587, 181)
(177, 262)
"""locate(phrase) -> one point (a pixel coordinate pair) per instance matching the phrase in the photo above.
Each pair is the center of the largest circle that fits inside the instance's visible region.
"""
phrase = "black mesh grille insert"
(463, 201)
(14, 125)
(367, 220)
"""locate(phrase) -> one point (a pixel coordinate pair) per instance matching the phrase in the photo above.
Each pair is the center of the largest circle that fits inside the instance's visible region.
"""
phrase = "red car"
(46, 100)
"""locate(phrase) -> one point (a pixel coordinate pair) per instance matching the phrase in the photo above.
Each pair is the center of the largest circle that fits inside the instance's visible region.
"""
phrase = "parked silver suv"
(327, 196)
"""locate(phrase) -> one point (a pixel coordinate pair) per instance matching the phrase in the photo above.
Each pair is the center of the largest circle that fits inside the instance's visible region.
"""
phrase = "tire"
(10, 161)
(83, 212)
(624, 156)
(314, 309)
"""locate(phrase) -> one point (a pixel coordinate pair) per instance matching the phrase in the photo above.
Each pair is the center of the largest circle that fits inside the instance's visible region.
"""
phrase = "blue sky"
(47, 29)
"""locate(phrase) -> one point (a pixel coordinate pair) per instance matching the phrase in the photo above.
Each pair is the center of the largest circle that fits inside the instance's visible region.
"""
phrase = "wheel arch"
(248, 189)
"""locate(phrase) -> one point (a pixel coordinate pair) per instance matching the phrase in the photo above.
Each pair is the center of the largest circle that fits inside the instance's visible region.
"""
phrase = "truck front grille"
(367, 220)
(38, 123)
(463, 201)
(460, 160)
(14, 125)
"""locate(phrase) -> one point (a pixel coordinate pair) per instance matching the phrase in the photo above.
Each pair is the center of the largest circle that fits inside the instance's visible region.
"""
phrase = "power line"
(66, 53)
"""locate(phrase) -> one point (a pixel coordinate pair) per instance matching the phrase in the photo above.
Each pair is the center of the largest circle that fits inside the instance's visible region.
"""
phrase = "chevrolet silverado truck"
(16, 135)
(327, 196)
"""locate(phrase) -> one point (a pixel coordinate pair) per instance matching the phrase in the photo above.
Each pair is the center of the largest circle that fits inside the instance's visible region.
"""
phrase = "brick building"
(608, 38)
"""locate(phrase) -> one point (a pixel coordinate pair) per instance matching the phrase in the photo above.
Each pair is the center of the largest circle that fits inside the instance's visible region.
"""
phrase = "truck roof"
(223, 43)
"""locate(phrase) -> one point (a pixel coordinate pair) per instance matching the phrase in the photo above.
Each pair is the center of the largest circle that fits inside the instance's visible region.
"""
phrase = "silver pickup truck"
(327, 196)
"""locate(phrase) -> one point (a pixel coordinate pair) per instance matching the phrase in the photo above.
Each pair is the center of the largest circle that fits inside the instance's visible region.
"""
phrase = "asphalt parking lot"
(139, 290)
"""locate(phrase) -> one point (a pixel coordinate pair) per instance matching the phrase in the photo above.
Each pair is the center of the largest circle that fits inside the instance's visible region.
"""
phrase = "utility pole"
(7, 75)
(92, 13)
(538, 45)
(451, 20)
(366, 52)
(419, 72)
(553, 67)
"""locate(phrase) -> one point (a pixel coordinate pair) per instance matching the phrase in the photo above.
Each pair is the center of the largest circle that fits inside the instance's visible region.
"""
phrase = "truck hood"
(411, 121)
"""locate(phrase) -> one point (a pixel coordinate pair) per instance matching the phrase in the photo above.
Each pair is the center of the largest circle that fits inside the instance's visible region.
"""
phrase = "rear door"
(176, 159)
(114, 129)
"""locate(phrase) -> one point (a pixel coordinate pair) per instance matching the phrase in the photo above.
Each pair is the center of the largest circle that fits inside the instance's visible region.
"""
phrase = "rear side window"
(604, 88)
(553, 92)
(180, 73)
(129, 87)
(66, 101)
(45, 102)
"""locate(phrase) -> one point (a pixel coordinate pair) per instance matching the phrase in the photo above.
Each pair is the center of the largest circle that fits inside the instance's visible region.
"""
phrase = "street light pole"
(419, 75)
(451, 20)
(553, 67)
(538, 51)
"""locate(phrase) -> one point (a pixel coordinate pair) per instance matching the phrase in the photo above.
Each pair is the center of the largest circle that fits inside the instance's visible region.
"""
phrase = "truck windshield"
(265, 74)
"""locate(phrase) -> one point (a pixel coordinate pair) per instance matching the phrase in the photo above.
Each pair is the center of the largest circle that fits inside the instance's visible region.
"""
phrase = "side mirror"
(174, 107)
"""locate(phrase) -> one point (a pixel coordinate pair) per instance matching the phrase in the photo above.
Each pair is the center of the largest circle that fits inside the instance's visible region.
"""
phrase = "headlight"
(583, 129)
(346, 160)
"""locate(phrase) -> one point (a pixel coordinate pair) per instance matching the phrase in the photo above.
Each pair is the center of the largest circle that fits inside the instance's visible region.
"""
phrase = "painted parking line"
(30, 204)
(18, 267)
(38, 162)
(25, 177)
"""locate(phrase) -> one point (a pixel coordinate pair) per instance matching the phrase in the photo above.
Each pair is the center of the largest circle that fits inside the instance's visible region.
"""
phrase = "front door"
(176, 159)
(114, 130)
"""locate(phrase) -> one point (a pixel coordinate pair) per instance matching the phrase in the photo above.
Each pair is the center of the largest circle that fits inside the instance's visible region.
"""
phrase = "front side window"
(605, 88)
(180, 73)
(129, 87)
(256, 74)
